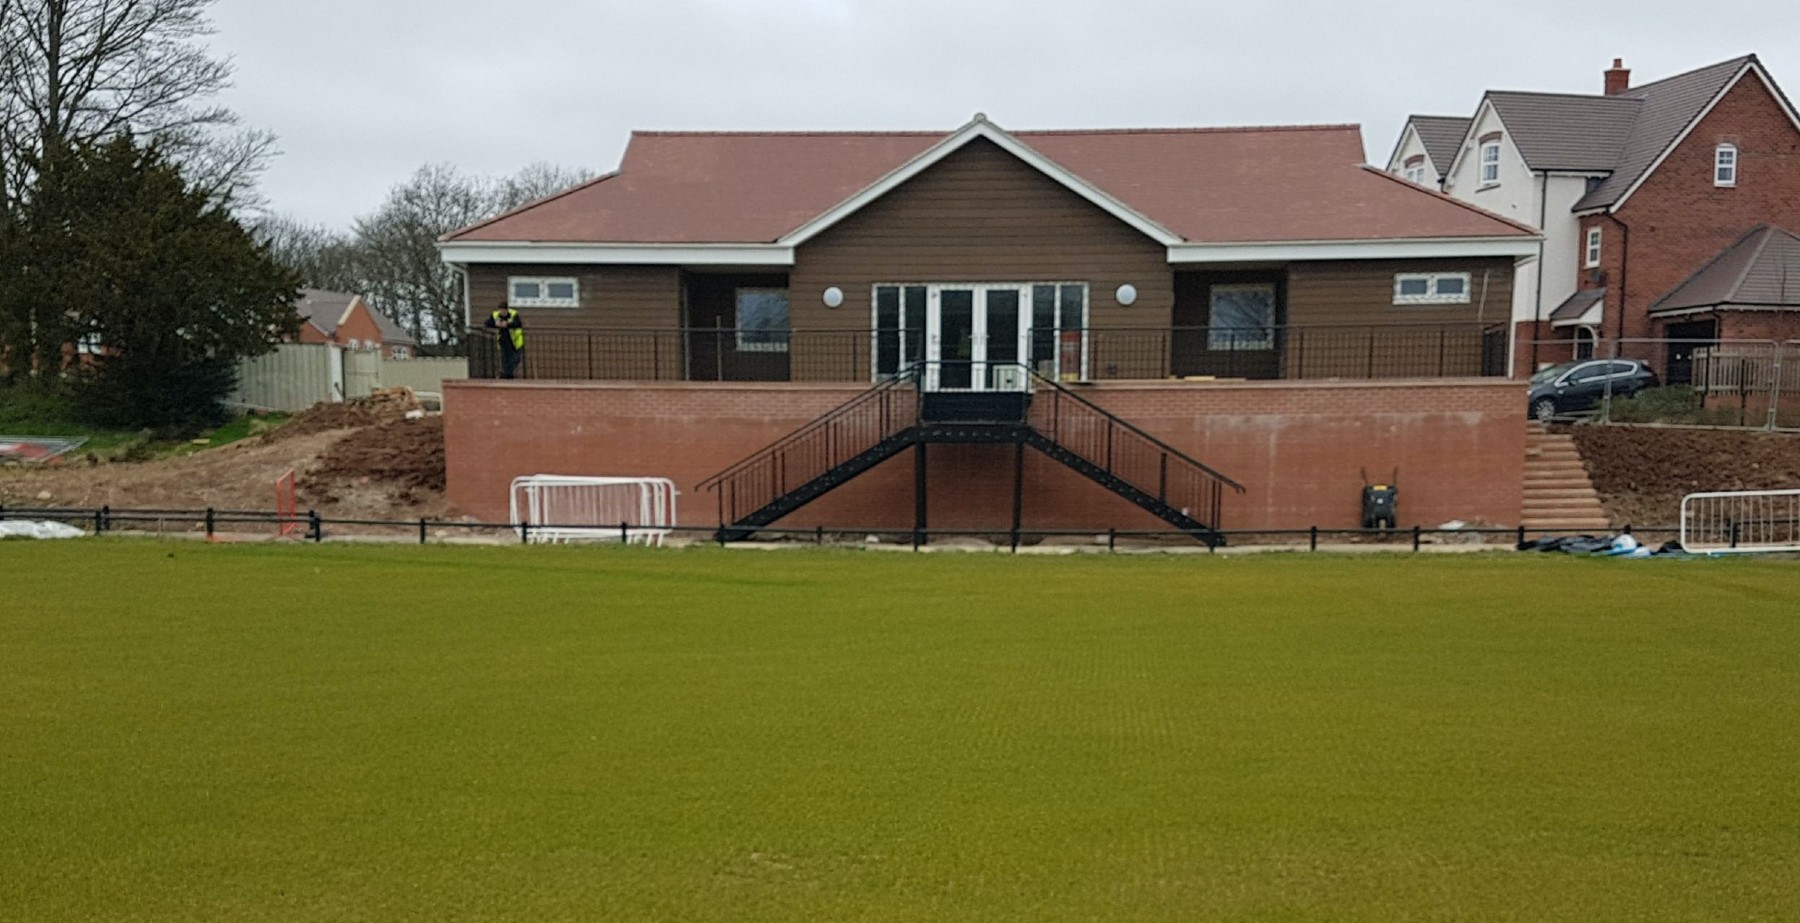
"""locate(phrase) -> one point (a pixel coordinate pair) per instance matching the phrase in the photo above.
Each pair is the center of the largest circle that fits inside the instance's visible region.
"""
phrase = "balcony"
(1360, 352)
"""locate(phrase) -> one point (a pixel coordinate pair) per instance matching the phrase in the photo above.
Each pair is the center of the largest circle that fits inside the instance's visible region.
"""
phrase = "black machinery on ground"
(1379, 501)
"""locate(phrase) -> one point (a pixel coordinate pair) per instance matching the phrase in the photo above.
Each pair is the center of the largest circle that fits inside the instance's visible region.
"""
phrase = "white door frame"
(978, 360)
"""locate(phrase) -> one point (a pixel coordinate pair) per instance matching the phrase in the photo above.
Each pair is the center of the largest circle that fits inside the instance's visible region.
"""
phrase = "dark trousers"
(510, 360)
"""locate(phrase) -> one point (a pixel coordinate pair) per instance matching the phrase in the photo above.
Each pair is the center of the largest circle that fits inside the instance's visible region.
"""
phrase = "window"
(1059, 342)
(899, 328)
(541, 292)
(88, 345)
(762, 320)
(1431, 288)
(400, 352)
(1490, 163)
(355, 343)
(1242, 317)
(1592, 257)
(1415, 170)
(1725, 165)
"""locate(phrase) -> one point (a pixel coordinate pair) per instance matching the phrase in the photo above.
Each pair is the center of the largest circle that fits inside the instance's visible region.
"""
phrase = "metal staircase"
(894, 415)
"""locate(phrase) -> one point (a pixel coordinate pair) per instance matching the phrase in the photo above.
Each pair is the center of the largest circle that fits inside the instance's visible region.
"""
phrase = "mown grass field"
(374, 733)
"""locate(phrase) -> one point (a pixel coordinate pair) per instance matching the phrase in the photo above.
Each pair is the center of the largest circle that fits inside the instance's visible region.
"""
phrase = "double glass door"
(975, 338)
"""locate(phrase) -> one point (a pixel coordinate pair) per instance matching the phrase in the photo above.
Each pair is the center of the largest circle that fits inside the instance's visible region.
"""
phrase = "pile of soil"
(360, 459)
(377, 408)
(1642, 472)
(404, 457)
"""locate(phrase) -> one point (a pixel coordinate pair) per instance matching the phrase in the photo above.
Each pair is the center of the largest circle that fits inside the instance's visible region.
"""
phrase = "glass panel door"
(1001, 353)
(952, 336)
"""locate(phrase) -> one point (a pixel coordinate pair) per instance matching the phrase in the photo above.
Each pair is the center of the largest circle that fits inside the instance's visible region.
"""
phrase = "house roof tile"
(1761, 269)
(1208, 185)
(1667, 108)
(1442, 136)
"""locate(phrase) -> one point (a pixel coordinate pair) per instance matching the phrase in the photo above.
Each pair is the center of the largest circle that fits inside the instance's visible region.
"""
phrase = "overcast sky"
(362, 92)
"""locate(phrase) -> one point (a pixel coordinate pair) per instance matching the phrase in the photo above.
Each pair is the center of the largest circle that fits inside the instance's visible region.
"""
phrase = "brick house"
(1636, 189)
(347, 320)
(724, 291)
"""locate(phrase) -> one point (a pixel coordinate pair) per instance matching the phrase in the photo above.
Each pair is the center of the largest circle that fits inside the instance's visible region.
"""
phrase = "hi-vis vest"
(517, 334)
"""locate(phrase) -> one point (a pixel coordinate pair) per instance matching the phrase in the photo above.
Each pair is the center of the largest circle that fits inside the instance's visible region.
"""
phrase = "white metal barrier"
(1741, 521)
(569, 508)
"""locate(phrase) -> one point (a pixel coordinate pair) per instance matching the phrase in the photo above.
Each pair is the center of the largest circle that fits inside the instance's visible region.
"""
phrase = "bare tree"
(324, 258)
(79, 71)
(403, 273)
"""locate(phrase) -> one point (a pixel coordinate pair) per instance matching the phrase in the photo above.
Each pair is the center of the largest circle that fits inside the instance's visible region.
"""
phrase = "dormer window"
(1490, 160)
(1415, 169)
(1725, 165)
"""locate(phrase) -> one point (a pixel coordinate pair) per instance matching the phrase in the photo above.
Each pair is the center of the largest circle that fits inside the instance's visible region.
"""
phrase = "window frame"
(1432, 295)
(1591, 248)
(1721, 151)
(399, 352)
(1482, 163)
(737, 318)
(543, 299)
(1266, 343)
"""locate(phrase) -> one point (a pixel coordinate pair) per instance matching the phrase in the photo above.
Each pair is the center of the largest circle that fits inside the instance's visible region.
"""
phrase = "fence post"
(1112, 540)
(1775, 392)
(99, 522)
(1734, 532)
(421, 530)
(209, 523)
(316, 525)
(624, 534)
(1313, 539)
(525, 531)
(1415, 538)
(1521, 535)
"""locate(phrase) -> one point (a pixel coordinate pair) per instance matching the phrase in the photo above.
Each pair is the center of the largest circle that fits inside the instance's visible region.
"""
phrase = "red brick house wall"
(1298, 447)
(1678, 220)
(360, 326)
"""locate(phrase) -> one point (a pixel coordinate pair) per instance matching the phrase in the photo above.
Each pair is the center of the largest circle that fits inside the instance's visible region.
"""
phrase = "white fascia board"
(979, 128)
(1301, 251)
(1409, 131)
(1750, 67)
(1470, 135)
(471, 252)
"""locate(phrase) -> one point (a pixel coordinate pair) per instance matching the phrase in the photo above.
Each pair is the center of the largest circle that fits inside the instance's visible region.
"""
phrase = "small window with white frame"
(1591, 253)
(1490, 162)
(1725, 165)
(400, 352)
(1431, 288)
(543, 292)
(1415, 169)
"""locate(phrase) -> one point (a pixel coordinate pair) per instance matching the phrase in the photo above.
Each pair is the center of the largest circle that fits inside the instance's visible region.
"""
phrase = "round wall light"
(1127, 294)
(834, 297)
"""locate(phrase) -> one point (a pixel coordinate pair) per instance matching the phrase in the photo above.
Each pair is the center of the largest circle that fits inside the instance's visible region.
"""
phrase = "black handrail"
(1064, 390)
(841, 434)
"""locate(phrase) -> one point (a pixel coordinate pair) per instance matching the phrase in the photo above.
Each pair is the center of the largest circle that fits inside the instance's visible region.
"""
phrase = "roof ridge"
(1596, 97)
(1714, 260)
(1737, 62)
(1442, 118)
(1451, 199)
(1164, 130)
(1762, 245)
(527, 206)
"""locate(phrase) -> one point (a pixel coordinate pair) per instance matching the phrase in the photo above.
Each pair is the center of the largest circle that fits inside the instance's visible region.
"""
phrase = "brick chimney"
(1618, 79)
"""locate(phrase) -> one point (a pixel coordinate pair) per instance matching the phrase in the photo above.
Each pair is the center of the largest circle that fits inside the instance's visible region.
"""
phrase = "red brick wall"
(1678, 219)
(1298, 447)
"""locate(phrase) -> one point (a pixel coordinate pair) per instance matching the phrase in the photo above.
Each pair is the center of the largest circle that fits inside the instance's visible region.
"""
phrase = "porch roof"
(1200, 185)
(1760, 270)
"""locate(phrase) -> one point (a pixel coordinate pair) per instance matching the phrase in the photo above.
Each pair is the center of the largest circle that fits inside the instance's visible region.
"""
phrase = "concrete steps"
(1558, 492)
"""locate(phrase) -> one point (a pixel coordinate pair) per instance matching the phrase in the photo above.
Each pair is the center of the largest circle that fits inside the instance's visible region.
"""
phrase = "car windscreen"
(1551, 373)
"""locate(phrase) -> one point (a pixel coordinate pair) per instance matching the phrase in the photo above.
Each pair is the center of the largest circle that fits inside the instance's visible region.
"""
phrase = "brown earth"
(1642, 472)
(358, 460)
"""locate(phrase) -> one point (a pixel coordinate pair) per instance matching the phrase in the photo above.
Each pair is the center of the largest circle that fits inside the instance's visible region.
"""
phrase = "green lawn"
(195, 732)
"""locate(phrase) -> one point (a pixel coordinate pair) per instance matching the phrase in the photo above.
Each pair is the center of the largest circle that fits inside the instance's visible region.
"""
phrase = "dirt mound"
(1642, 472)
(380, 407)
(404, 457)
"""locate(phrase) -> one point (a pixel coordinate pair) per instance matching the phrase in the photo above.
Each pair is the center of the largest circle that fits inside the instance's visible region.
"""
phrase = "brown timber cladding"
(613, 298)
(1326, 300)
(979, 215)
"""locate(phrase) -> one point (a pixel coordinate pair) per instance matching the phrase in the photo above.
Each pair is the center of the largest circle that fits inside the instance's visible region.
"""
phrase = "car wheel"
(1544, 410)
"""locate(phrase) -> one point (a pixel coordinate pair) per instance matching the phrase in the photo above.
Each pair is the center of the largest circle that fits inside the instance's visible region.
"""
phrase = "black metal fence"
(316, 528)
(1380, 351)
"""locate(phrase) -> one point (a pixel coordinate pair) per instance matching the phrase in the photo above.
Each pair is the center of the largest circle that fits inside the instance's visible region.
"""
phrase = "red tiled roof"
(1291, 183)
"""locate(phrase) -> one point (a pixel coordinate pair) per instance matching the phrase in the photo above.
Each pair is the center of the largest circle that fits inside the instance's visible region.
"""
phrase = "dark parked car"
(1571, 387)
